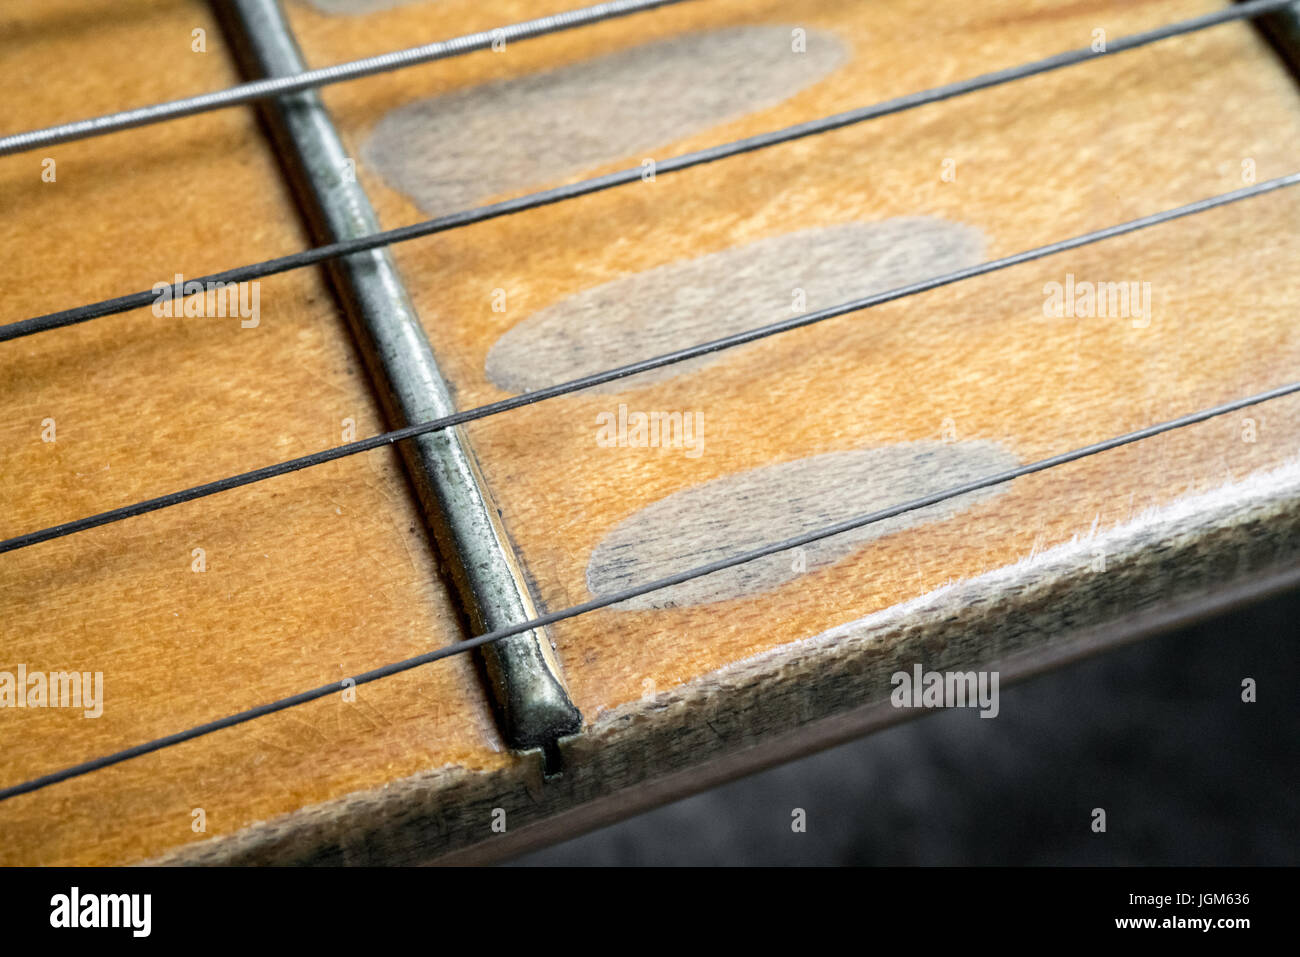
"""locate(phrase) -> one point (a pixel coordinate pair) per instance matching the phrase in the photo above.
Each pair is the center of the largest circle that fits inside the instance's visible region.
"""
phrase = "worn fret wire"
(598, 378)
(318, 254)
(627, 594)
(355, 69)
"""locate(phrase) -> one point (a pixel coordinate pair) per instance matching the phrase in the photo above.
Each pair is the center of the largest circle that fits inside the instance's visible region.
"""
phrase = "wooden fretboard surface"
(327, 572)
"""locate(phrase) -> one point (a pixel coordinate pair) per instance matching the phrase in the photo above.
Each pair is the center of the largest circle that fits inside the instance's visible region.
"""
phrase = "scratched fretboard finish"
(321, 574)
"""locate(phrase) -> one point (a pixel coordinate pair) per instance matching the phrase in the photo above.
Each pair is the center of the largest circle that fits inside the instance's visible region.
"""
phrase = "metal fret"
(532, 703)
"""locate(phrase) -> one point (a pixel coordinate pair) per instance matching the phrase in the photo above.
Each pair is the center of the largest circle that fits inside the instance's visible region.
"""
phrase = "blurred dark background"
(1155, 733)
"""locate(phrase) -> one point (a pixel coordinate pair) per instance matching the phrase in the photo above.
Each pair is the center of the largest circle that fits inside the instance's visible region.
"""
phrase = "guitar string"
(698, 571)
(255, 90)
(319, 254)
(28, 539)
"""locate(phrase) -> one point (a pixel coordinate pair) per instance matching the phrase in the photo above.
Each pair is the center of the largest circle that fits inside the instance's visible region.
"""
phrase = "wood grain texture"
(298, 593)
(309, 578)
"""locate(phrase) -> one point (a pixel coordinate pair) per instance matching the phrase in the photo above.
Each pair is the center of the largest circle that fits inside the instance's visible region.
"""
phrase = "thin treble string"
(319, 254)
(355, 69)
(627, 594)
(634, 368)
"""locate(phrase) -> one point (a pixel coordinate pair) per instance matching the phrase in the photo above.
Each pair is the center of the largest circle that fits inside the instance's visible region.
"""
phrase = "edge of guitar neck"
(1282, 29)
